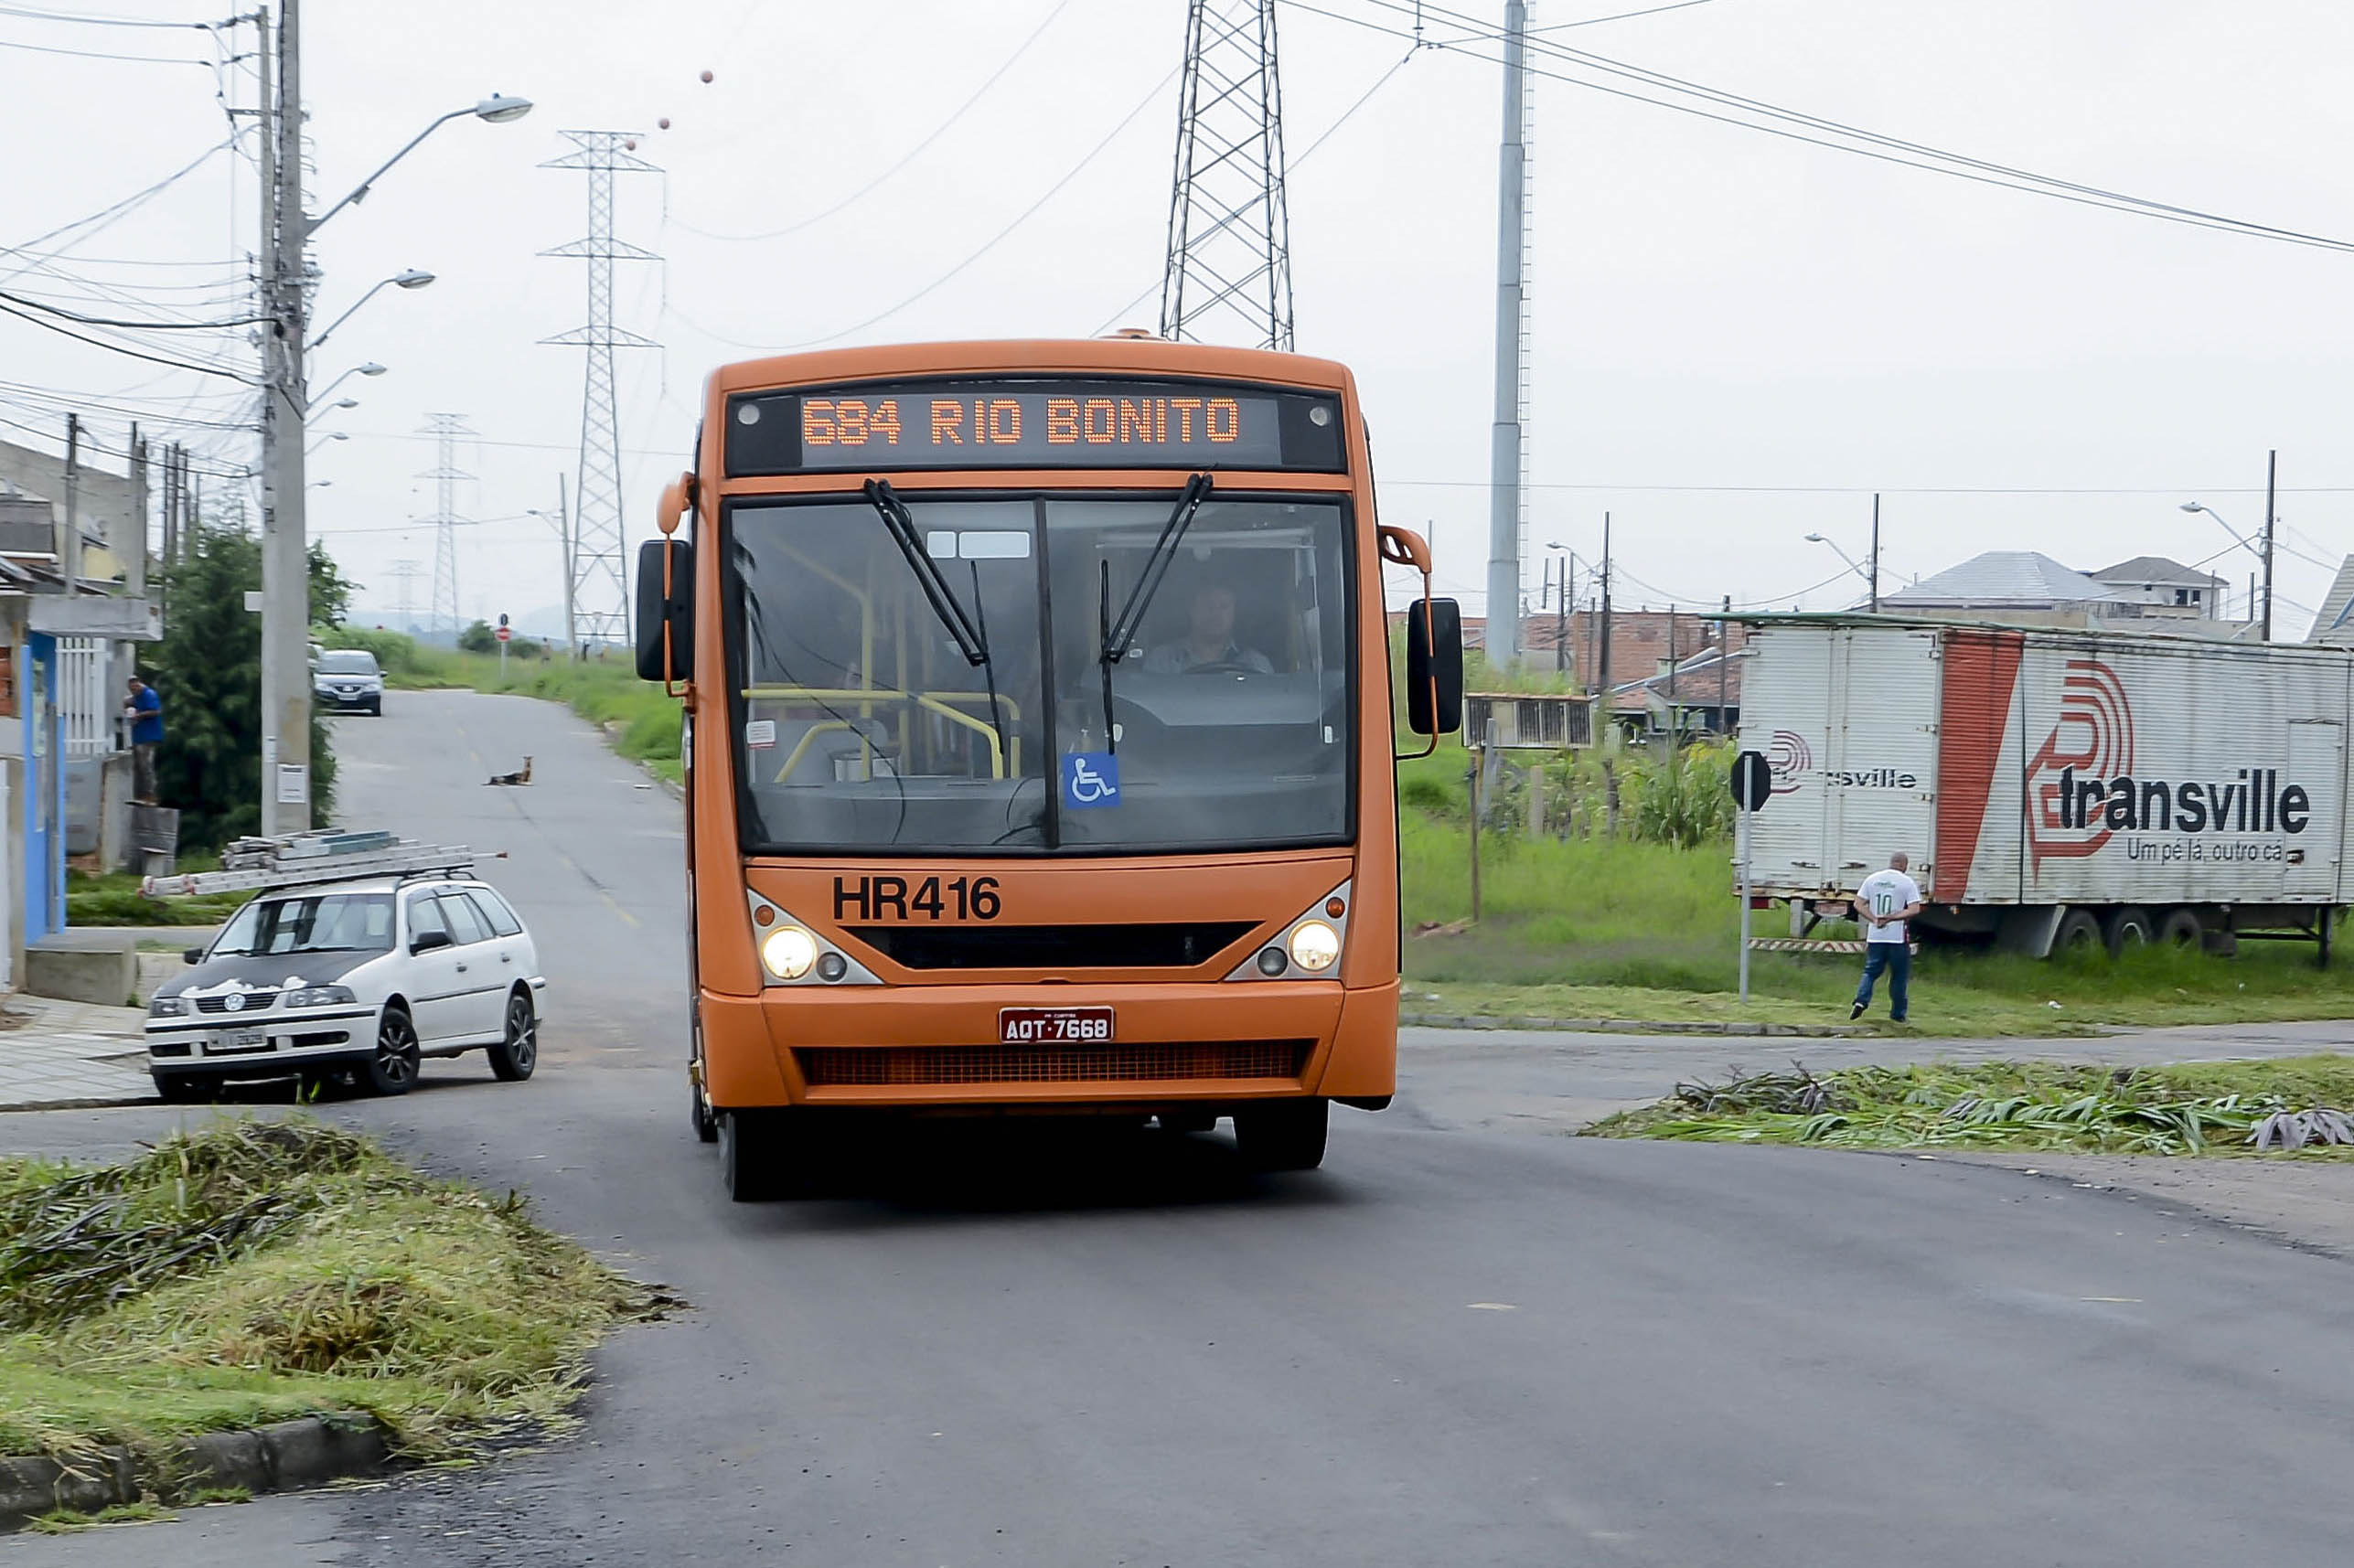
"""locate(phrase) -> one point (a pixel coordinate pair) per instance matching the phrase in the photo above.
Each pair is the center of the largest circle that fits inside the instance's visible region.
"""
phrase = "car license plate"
(1053, 1026)
(239, 1041)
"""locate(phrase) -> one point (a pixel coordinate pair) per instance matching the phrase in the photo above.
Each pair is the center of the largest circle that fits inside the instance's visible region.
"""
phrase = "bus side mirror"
(1434, 659)
(666, 609)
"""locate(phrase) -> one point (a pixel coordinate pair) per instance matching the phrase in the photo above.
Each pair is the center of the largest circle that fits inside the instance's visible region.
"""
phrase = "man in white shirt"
(1884, 904)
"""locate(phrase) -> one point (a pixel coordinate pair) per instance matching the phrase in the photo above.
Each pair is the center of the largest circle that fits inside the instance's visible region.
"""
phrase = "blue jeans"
(1896, 957)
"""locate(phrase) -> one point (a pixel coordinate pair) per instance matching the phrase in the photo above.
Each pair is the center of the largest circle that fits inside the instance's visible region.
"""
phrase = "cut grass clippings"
(2294, 1105)
(257, 1272)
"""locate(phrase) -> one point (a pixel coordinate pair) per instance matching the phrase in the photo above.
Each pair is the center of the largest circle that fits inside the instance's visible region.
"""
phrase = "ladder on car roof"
(306, 859)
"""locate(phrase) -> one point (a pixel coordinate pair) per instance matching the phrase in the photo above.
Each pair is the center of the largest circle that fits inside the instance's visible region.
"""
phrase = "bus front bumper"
(944, 1046)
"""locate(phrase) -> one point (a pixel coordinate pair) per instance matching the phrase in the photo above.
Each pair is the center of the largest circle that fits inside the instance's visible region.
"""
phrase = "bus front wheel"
(748, 1151)
(1282, 1135)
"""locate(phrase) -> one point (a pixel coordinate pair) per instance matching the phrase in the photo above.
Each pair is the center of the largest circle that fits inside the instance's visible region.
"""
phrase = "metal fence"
(86, 702)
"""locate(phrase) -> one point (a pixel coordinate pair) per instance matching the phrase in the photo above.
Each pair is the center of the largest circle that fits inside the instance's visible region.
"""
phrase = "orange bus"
(1038, 742)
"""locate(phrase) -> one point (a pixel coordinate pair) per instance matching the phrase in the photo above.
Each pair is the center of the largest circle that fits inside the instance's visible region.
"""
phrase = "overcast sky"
(1737, 337)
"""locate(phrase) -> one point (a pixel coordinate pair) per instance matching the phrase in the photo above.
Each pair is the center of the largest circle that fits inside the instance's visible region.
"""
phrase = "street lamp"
(1561, 606)
(285, 576)
(562, 520)
(1871, 579)
(411, 279)
(371, 368)
(331, 435)
(2250, 547)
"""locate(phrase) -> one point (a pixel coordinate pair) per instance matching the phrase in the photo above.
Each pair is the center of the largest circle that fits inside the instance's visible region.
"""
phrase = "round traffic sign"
(504, 633)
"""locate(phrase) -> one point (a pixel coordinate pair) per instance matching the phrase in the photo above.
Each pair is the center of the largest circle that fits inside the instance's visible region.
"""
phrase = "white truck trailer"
(2053, 788)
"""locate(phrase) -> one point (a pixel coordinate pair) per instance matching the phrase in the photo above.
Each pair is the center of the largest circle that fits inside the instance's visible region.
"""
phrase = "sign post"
(504, 632)
(1753, 784)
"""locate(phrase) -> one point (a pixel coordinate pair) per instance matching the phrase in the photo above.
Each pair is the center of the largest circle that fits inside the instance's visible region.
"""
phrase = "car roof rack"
(309, 859)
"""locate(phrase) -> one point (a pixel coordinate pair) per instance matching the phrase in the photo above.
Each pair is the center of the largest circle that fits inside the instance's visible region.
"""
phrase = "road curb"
(278, 1457)
(1626, 1026)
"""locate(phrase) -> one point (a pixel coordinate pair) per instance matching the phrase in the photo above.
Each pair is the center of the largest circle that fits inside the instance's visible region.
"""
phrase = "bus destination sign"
(1031, 424)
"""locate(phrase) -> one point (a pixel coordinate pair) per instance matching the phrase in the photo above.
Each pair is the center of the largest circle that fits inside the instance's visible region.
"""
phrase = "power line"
(119, 348)
(913, 153)
(1930, 159)
(79, 319)
(105, 55)
(1620, 17)
(32, 14)
(106, 215)
(991, 244)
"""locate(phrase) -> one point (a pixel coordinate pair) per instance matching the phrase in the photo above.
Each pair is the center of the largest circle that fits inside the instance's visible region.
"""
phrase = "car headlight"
(166, 1007)
(1314, 945)
(319, 995)
(788, 951)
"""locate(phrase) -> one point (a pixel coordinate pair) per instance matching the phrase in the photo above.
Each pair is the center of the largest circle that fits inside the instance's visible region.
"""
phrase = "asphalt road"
(1465, 1341)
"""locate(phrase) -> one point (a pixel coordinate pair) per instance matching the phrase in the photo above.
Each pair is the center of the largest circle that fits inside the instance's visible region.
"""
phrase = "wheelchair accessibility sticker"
(1090, 779)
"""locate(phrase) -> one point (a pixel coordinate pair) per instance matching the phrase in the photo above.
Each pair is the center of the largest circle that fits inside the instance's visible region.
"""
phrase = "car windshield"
(866, 723)
(310, 923)
(347, 664)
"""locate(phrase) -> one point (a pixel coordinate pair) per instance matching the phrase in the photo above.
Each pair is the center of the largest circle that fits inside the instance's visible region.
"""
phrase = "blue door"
(44, 792)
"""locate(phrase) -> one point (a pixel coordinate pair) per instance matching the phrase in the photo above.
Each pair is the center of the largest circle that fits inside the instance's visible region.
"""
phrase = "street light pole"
(1874, 580)
(2272, 470)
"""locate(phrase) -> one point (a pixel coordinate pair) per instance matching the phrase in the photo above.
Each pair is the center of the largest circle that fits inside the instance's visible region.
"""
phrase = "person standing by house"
(1885, 901)
(145, 709)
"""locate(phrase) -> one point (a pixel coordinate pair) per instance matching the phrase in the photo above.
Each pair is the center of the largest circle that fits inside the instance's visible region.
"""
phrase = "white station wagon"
(357, 980)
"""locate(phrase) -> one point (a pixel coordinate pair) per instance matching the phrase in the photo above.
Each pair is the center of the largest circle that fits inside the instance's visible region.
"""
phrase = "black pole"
(2271, 467)
(1602, 659)
(1724, 661)
(1875, 552)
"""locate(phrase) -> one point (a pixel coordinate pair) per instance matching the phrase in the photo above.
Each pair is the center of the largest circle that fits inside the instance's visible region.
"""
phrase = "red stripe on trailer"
(1981, 670)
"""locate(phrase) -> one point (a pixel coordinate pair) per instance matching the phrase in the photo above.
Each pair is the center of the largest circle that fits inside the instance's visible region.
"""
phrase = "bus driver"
(1209, 643)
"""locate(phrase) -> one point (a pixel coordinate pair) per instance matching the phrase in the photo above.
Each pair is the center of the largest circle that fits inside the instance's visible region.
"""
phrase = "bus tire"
(748, 1155)
(1282, 1135)
(2130, 926)
(2079, 932)
(2182, 928)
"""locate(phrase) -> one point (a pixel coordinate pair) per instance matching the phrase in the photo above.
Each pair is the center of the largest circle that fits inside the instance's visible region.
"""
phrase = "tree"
(331, 591)
(478, 638)
(207, 668)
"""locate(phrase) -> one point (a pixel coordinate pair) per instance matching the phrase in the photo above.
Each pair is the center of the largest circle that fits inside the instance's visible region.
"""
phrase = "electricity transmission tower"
(600, 573)
(1229, 272)
(405, 606)
(446, 429)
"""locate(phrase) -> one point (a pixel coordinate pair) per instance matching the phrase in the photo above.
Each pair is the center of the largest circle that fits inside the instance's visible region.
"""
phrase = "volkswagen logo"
(236, 1002)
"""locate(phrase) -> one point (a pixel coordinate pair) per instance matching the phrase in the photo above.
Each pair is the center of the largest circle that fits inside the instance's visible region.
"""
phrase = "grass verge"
(261, 1271)
(114, 899)
(2213, 1107)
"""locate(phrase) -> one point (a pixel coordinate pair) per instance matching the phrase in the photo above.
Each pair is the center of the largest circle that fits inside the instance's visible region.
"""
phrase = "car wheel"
(376, 708)
(2079, 932)
(186, 1088)
(2129, 927)
(2182, 928)
(392, 1069)
(1282, 1135)
(748, 1155)
(512, 1059)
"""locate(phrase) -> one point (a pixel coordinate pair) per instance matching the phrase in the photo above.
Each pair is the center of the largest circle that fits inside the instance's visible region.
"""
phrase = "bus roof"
(1035, 357)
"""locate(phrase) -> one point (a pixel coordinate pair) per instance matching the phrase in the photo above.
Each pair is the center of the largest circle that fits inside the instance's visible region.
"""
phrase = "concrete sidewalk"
(55, 1054)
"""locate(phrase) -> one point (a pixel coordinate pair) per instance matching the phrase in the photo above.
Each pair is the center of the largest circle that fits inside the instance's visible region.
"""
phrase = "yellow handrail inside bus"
(793, 758)
(936, 702)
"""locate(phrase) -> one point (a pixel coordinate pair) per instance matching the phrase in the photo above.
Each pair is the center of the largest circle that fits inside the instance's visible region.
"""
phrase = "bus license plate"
(1053, 1026)
(243, 1041)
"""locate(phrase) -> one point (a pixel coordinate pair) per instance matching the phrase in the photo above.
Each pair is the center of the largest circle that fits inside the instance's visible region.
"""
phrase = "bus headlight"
(1314, 945)
(788, 952)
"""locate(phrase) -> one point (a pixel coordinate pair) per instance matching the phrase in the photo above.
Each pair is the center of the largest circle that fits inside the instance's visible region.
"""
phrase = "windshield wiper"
(971, 635)
(902, 528)
(1117, 638)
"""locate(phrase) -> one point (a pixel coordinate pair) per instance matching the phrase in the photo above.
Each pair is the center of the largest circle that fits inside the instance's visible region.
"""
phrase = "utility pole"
(69, 546)
(285, 566)
(1724, 661)
(1875, 578)
(1508, 450)
(564, 540)
(1561, 615)
(2272, 472)
(1602, 662)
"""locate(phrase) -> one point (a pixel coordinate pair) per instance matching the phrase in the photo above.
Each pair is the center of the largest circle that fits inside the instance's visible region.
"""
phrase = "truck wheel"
(2182, 928)
(2129, 927)
(2079, 931)
(1282, 1135)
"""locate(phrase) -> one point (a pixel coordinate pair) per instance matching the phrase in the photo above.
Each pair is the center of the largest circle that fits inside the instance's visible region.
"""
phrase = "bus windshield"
(864, 725)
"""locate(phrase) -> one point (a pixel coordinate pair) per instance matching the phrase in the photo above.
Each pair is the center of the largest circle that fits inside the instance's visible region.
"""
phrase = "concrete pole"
(69, 546)
(135, 531)
(1503, 467)
(564, 539)
(2272, 472)
(285, 566)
